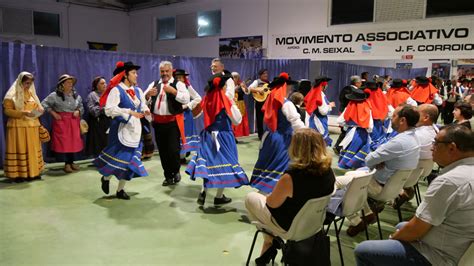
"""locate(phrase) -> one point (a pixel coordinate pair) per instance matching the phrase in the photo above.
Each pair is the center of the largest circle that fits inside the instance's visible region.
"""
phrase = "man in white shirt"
(257, 87)
(166, 98)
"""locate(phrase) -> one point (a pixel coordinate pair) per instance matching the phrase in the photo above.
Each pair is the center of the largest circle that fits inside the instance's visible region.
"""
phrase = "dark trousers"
(259, 118)
(167, 138)
(339, 139)
(67, 158)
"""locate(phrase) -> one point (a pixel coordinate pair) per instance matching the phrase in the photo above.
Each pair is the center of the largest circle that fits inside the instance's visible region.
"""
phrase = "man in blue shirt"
(400, 152)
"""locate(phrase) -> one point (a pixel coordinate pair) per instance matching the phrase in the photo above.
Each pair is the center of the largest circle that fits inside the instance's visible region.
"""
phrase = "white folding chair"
(427, 165)
(306, 223)
(352, 202)
(390, 190)
(468, 258)
(412, 181)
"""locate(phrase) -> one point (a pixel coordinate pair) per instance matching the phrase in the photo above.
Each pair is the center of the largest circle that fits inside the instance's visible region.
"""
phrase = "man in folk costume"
(399, 94)
(191, 140)
(166, 99)
(422, 91)
(281, 118)
(381, 109)
(318, 107)
(358, 123)
(126, 105)
(216, 160)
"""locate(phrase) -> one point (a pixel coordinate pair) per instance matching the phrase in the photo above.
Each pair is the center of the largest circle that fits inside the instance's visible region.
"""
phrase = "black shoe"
(177, 178)
(168, 182)
(105, 185)
(122, 195)
(223, 200)
(267, 256)
(202, 198)
(18, 180)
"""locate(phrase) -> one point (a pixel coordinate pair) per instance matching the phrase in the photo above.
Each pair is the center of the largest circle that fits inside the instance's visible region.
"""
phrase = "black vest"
(174, 106)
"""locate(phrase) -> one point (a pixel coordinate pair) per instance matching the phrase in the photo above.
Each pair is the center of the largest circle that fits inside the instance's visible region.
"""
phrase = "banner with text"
(433, 41)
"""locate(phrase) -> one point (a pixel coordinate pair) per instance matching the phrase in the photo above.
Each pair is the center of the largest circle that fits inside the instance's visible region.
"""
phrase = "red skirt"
(243, 128)
(66, 137)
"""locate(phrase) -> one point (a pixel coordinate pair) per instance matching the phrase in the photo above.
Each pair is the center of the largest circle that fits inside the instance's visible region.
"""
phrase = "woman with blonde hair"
(309, 176)
(24, 158)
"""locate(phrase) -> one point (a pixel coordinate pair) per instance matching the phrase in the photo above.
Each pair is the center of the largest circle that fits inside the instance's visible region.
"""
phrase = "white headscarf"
(16, 93)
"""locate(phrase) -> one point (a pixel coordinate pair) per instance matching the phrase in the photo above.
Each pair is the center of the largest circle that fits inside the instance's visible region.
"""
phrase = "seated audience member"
(462, 113)
(309, 176)
(425, 131)
(443, 227)
(400, 152)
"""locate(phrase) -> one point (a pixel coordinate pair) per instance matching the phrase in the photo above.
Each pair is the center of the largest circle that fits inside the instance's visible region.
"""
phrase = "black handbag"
(314, 250)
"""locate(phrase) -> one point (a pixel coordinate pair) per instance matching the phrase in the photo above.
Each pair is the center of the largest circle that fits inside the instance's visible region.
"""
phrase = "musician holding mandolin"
(260, 91)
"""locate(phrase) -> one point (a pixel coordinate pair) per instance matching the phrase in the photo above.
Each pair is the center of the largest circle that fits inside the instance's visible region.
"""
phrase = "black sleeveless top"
(306, 185)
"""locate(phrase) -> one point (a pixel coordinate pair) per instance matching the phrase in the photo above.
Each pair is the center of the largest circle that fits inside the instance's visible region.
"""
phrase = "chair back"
(414, 177)
(394, 184)
(356, 194)
(468, 258)
(309, 219)
(427, 165)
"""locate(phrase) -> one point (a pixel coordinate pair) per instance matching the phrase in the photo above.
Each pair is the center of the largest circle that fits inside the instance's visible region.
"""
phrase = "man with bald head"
(425, 132)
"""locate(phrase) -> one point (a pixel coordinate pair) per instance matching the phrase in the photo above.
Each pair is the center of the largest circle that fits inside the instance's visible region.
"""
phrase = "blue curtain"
(48, 63)
(341, 73)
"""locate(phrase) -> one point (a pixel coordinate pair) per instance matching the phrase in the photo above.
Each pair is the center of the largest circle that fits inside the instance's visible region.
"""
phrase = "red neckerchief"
(213, 103)
(274, 103)
(314, 98)
(113, 83)
(423, 93)
(358, 112)
(131, 92)
(397, 96)
(379, 104)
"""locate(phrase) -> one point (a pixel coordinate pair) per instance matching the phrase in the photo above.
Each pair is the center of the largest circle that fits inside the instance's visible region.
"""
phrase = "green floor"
(66, 220)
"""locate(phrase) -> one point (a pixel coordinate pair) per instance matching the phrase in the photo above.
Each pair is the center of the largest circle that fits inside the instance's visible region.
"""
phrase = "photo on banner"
(441, 70)
(466, 68)
(249, 47)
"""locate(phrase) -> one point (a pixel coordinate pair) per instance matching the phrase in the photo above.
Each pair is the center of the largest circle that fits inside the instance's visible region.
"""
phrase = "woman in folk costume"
(242, 129)
(422, 91)
(65, 106)
(97, 120)
(23, 158)
(399, 94)
(381, 109)
(216, 161)
(190, 141)
(126, 104)
(358, 122)
(280, 118)
(318, 107)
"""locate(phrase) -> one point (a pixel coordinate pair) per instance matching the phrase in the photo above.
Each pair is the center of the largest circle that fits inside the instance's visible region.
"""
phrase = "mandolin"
(261, 97)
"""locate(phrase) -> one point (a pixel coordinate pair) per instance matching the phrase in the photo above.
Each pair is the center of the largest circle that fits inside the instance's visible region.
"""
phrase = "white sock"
(107, 178)
(121, 184)
(220, 193)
